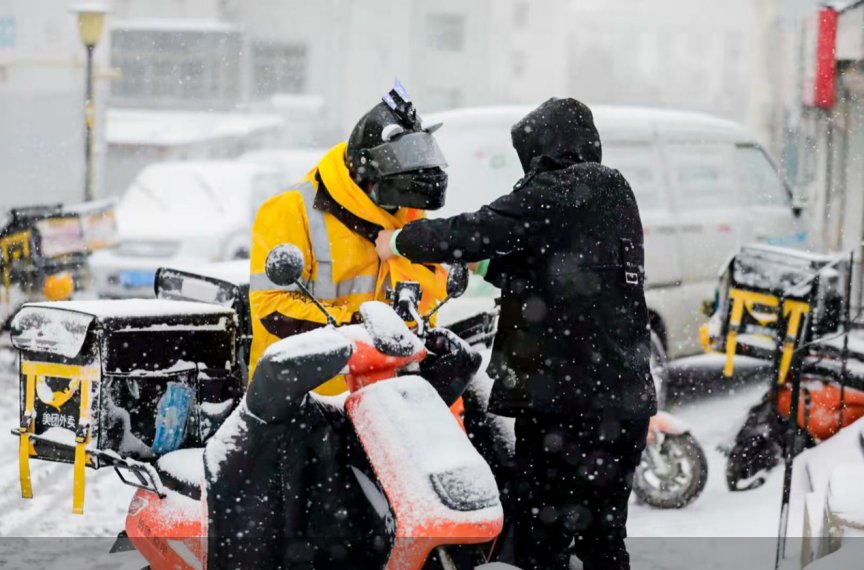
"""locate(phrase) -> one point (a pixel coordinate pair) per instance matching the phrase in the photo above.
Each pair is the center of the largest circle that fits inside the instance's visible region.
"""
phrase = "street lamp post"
(91, 20)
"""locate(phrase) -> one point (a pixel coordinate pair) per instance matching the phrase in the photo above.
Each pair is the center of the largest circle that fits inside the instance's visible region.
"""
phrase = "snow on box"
(126, 308)
(61, 327)
(57, 332)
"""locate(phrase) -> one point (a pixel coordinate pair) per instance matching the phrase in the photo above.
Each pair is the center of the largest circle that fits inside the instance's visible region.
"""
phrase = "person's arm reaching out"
(494, 230)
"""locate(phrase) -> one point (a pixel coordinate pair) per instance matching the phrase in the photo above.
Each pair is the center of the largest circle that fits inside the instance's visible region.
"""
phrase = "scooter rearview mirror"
(284, 265)
(457, 280)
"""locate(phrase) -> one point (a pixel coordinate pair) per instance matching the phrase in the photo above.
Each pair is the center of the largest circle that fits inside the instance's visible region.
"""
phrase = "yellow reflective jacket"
(342, 268)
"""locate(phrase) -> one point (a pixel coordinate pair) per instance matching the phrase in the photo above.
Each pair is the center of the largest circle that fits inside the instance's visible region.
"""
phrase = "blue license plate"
(136, 279)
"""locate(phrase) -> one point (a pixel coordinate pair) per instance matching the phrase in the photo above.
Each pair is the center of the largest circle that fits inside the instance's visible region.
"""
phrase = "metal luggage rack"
(140, 474)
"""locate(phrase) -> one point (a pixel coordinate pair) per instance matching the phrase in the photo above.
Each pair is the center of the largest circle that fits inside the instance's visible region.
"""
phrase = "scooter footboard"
(440, 489)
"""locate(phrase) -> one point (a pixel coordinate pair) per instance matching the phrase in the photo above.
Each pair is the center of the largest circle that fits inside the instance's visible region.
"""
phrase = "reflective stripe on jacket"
(342, 268)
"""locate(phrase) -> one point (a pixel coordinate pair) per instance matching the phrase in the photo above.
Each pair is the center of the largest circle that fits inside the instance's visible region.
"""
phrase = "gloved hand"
(450, 364)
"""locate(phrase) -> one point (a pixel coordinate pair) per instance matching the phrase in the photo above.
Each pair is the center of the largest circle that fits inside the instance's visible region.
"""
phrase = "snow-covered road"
(717, 514)
(721, 530)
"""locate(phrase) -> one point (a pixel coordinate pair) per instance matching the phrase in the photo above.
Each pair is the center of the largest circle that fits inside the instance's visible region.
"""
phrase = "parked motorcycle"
(673, 470)
(810, 338)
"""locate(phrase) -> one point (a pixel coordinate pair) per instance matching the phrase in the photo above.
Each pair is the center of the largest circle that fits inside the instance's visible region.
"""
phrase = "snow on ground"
(48, 515)
(721, 529)
(660, 539)
(718, 512)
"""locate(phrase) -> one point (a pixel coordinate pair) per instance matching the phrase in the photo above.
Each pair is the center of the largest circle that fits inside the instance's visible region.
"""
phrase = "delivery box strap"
(795, 311)
(82, 379)
(82, 438)
(24, 450)
(26, 427)
(57, 370)
(743, 299)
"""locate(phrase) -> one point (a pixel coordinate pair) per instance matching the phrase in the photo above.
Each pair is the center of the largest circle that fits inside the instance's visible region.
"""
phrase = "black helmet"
(390, 149)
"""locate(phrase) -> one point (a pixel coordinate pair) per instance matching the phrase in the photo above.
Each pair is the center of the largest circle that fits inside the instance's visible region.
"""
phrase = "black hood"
(557, 134)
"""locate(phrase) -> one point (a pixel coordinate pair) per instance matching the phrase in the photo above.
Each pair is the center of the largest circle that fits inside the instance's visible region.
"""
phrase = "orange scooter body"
(822, 411)
(402, 423)
(171, 532)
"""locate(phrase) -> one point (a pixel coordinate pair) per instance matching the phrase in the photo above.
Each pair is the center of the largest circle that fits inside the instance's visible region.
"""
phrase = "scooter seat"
(182, 471)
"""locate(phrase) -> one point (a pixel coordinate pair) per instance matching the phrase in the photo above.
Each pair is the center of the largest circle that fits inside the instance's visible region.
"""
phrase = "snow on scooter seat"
(424, 460)
(186, 465)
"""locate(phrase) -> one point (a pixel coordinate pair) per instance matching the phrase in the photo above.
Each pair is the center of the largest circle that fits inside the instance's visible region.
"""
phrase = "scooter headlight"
(466, 488)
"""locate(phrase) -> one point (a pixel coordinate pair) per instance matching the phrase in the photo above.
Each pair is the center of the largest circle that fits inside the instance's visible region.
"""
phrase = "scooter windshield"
(389, 333)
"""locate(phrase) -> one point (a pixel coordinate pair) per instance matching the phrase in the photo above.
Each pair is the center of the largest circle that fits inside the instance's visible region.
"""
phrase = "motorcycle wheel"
(672, 474)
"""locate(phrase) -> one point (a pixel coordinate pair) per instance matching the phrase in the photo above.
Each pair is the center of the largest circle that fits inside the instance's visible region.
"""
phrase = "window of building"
(445, 32)
(176, 65)
(760, 178)
(279, 68)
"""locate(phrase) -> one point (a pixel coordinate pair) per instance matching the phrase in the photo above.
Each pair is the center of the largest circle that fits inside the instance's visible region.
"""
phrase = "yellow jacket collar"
(344, 190)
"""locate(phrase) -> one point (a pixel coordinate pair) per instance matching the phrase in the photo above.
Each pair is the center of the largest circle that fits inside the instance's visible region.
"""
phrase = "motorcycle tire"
(683, 485)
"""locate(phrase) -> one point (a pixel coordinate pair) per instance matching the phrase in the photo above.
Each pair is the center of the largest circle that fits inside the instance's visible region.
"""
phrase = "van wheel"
(658, 328)
(659, 371)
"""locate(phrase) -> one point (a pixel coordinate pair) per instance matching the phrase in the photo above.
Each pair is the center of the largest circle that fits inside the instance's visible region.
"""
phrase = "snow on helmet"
(393, 152)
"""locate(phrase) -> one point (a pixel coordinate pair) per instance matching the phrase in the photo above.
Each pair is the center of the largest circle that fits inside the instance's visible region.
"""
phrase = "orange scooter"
(431, 488)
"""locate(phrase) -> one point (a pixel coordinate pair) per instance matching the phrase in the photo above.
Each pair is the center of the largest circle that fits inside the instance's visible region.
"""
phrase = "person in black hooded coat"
(571, 355)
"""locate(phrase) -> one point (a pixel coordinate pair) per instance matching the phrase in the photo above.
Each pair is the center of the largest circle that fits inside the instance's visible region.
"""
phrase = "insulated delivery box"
(756, 282)
(120, 383)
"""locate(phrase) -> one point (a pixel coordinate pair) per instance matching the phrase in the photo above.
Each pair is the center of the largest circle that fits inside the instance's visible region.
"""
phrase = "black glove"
(449, 365)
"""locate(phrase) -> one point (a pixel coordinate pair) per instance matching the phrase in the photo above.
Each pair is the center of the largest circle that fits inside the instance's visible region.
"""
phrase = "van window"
(482, 167)
(759, 176)
(639, 165)
(701, 177)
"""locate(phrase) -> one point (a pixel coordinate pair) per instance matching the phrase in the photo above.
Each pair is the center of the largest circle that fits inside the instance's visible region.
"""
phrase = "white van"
(704, 187)
(182, 213)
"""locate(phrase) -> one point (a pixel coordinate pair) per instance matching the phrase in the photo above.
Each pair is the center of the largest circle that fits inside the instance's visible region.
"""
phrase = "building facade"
(449, 53)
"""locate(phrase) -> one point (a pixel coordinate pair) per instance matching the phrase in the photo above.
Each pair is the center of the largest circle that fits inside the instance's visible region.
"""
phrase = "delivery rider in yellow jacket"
(385, 176)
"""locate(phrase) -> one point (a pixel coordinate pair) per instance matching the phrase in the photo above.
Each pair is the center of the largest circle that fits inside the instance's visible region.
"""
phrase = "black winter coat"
(566, 252)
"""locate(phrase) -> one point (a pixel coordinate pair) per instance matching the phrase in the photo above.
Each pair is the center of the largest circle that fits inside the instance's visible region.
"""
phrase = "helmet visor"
(412, 151)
